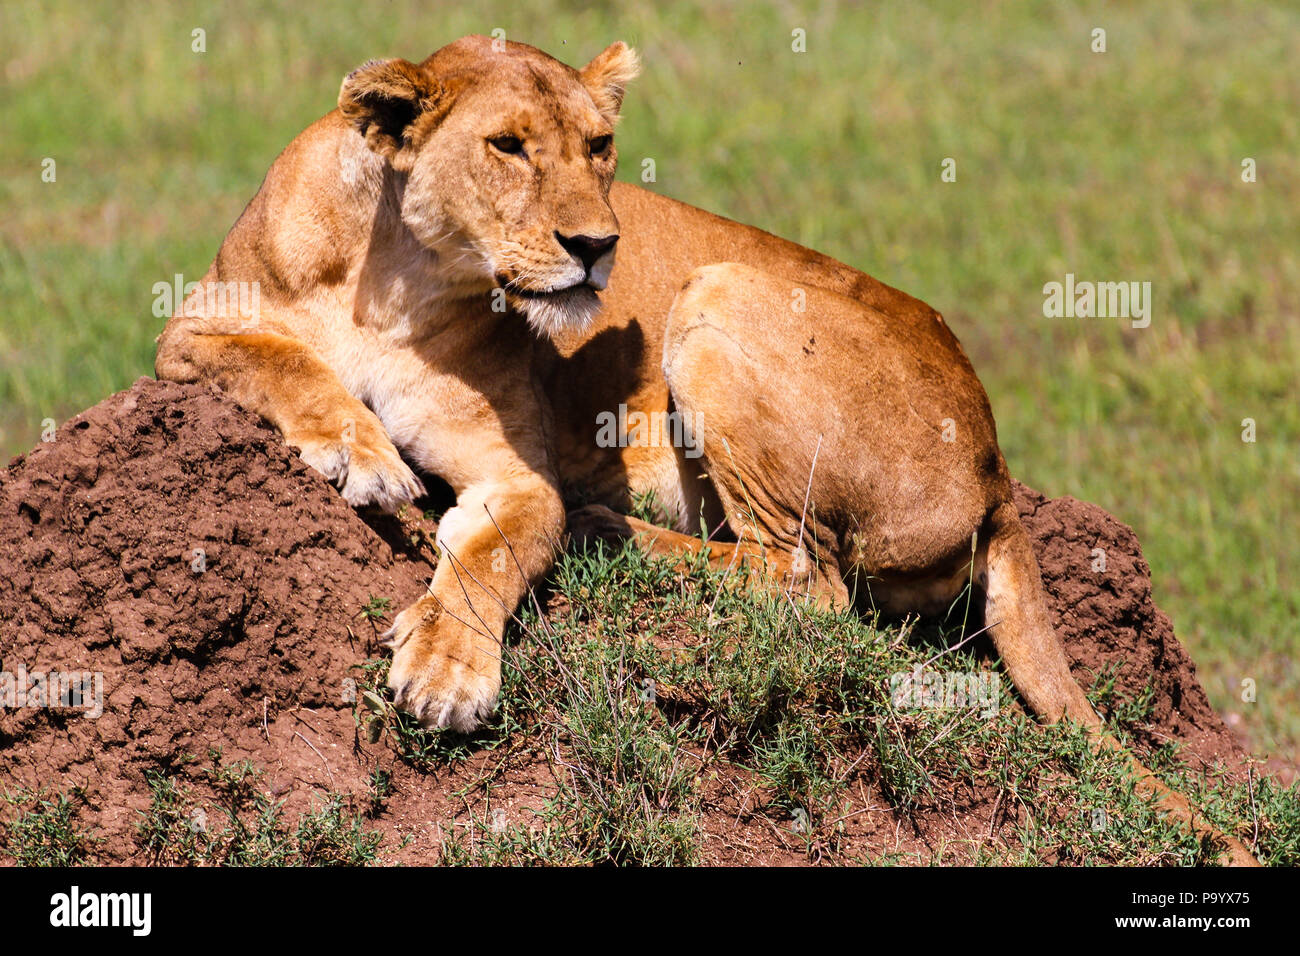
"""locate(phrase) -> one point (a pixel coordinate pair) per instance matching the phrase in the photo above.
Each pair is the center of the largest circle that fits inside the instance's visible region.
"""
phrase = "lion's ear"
(384, 99)
(607, 76)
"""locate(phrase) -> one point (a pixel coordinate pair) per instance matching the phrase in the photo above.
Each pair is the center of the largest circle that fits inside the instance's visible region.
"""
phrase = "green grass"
(654, 697)
(45, 831)
(642, 686)
(243, 825)
(376, 608)
(1114, 166)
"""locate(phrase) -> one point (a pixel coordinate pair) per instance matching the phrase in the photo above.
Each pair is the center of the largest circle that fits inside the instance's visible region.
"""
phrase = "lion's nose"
(587, 248)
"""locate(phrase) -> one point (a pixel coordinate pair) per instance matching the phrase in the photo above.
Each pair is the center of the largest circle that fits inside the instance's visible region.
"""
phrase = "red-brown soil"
(251, 649)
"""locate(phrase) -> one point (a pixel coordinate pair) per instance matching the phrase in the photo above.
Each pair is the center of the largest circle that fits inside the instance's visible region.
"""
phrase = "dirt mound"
(169, 540)
(1099, 587)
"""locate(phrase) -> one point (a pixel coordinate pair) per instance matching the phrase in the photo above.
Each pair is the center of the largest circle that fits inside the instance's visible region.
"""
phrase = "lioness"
(429, 256)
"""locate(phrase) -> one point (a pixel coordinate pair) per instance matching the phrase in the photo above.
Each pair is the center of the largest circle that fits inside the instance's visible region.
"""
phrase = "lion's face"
(509, 156)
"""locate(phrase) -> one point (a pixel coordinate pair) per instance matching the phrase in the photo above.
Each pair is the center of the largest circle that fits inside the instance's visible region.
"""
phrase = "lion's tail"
(1021, 627)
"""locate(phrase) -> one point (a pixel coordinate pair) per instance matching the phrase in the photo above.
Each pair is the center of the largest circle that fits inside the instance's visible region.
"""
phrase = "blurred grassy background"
(1117, 166)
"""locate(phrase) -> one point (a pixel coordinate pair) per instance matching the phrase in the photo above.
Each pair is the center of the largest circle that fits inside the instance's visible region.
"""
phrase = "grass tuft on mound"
(658, 698)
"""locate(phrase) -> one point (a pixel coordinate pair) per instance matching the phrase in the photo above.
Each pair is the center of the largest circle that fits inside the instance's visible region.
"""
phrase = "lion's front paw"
(443, 679)
(364, 465)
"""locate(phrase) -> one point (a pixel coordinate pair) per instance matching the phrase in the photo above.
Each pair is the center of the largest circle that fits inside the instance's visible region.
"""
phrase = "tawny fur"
(423, 289)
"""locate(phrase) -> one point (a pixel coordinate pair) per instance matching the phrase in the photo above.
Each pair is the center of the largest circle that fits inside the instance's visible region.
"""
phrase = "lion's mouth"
(539, 294)
(556, 311)
(549, 295)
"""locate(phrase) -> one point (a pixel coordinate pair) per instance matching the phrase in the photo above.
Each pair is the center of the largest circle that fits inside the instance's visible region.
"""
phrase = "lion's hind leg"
(746, 562)
(740, 426)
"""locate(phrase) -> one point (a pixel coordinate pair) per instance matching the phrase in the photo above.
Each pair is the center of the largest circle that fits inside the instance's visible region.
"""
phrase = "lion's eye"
(510, 145)
(600, 145)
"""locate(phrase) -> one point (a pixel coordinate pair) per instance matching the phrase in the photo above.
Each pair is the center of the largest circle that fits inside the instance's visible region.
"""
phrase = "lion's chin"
(558, 313)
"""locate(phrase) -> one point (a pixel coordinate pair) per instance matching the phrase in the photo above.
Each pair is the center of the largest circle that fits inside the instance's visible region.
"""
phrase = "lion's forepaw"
(366, 469)
(444, 680)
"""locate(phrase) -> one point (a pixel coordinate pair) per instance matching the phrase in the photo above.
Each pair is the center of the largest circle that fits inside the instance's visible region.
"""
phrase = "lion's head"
(505, 156)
